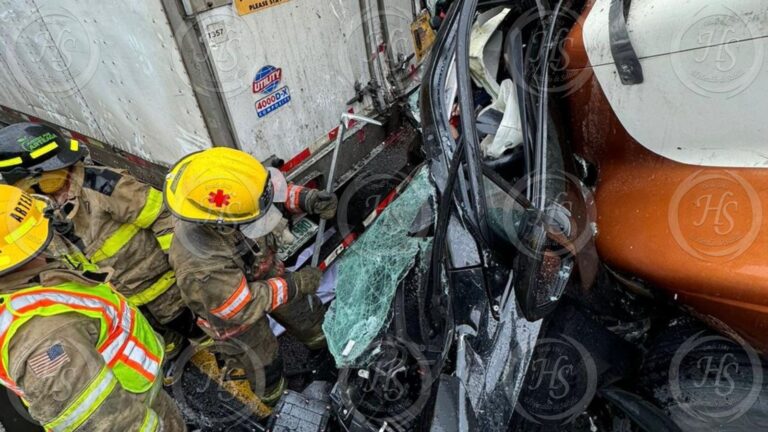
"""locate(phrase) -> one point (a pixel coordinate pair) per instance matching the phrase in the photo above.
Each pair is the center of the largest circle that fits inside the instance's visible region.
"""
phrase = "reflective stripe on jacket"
(113, 244)
(118, 239)
(132, 351)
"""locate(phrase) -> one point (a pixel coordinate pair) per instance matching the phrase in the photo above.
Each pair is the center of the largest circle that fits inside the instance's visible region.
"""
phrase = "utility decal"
(267, 79)
(245, 7)
(267, 82)
(272, 102)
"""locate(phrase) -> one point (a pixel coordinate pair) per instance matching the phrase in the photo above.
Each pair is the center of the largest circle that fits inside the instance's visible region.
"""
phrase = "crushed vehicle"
(591, 254)
(555, 237)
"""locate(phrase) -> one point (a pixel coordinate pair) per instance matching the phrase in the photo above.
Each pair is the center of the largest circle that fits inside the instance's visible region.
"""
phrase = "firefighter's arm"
(306, 200)
(69, 387)
(136, 202)
(232, 299)
(163, 230)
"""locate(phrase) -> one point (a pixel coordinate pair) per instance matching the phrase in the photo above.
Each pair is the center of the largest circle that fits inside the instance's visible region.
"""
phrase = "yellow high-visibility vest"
(133, 353)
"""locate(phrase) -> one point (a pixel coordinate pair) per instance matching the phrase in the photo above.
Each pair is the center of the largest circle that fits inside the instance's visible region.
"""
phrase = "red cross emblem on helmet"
(219, 198)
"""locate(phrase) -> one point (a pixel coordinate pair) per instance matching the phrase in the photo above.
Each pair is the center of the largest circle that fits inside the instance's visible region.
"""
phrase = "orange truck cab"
(683, 186)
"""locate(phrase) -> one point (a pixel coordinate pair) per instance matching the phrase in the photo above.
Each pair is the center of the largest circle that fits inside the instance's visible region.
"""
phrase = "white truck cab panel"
(702, 101)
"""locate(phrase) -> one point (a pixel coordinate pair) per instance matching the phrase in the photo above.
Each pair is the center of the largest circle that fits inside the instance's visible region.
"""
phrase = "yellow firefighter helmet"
(24, 231)
(225, 186)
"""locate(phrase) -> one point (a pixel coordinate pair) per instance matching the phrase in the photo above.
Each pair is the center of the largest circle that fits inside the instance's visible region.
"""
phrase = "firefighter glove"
(322, 203)
(307, 280)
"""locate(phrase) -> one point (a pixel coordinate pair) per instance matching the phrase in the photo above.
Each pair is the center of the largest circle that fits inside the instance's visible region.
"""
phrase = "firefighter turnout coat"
(120, 222)
(79, 356)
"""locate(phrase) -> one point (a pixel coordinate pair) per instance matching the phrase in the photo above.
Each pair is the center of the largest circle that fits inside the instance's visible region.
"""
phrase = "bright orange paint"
(700, 234)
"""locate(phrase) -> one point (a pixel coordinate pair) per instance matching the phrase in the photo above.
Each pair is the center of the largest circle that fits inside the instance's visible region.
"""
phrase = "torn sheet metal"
(497, 359)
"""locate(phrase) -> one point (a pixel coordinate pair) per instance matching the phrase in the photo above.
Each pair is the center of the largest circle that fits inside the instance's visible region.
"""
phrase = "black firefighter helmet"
(30, 149)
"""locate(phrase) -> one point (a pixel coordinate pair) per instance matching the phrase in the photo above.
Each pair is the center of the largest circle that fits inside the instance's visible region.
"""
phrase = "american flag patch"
(47, 363)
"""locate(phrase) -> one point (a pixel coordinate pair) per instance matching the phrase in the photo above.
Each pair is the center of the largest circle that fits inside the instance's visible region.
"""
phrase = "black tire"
(705, 381)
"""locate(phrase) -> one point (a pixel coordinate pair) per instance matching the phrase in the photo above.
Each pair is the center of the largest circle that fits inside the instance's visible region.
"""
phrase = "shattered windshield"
(368, 275)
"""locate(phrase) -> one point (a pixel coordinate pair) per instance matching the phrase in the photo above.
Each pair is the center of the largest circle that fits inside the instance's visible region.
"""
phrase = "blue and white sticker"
(272, 102)
(267, 81)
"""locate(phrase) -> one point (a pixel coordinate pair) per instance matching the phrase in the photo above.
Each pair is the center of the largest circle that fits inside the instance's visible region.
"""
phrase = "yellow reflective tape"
(151, 422)
(124, 234)
(74, 145)
(21, 231)
(115, 242)
(165, 241)
(10, 162)
(80, 262)
(44, 150)
(156, 388)
(154, 291)
(86, 404)
(151, 210)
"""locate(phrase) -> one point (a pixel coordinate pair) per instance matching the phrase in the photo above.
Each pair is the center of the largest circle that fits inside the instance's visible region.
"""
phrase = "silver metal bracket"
(194, 7)
(624, 55)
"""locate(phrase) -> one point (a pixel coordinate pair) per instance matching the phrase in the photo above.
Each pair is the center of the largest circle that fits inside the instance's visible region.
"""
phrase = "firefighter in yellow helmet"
(78, 355)
(224, 253)
(116, 220)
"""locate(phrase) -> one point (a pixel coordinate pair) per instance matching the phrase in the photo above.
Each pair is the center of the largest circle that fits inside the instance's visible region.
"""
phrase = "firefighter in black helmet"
(35, 151)
(116, 220)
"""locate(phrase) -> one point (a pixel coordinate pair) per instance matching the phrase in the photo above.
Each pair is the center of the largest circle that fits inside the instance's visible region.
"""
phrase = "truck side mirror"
(544, 264)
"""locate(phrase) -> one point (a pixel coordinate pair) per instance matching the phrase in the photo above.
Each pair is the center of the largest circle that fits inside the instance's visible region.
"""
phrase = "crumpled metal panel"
(498, 359)
(37, 48)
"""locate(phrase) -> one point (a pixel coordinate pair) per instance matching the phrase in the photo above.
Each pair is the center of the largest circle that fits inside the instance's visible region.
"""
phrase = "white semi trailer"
(145, 82)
